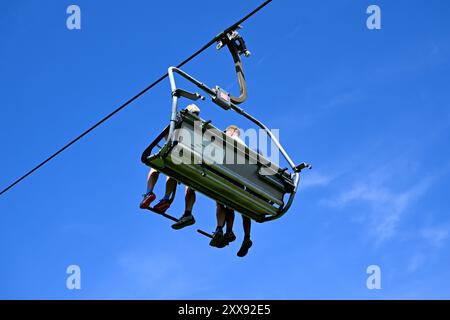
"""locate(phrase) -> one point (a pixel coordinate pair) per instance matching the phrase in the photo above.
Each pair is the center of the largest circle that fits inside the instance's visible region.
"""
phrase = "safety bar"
(147, 152)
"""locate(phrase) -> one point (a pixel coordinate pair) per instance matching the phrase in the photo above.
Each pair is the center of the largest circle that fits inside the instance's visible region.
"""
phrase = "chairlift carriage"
(257, 188)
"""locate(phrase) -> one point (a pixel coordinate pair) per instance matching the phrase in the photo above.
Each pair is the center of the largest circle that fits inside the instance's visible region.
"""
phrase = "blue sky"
(369, 109)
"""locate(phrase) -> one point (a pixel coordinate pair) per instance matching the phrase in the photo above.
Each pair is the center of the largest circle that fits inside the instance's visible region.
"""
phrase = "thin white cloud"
(292, 33)
(341, 99)
(320, 108)
(385, 206)
(437, 235)
(159, 276)
(315, 179)
(435, 238)
(416, 262)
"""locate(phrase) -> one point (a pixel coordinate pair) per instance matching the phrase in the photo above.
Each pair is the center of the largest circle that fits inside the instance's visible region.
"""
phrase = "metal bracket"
(202, 170)
(302, 166)
(188, 95)
(233, 38)
(222, 98)
(205, 126)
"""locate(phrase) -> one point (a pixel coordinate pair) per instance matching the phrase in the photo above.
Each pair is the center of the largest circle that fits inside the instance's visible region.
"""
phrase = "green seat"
(244, 186)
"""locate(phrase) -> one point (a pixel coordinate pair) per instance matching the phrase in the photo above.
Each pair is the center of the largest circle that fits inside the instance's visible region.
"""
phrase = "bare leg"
(230, 220)
(246, 243)
(221, 215)
(218, 237)
(164, 204)
(247, 224)
(152, 178)
(189, 200)
(187, 218)
(149, 196)
(170, 186)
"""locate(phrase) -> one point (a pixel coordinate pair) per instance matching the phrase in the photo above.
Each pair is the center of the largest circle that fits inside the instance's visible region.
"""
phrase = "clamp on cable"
(234, 39)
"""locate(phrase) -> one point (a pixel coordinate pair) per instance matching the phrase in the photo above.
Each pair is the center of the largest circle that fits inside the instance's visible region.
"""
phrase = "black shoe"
(217, 240)
(246, 244)
(229, 237)
(184, 222)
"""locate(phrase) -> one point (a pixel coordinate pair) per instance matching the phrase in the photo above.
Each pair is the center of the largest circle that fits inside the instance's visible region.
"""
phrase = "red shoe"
(148, 198)
(162, 206)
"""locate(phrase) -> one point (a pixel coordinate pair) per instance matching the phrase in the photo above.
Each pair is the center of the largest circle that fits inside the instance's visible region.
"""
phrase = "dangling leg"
(247, 225)
(189, 201)
(229, 235)
(171, 184)
(149, 196)
(153, 176)
(246, 243)
(164, 203)
(217, 240)
(220, 215)
(187, 218)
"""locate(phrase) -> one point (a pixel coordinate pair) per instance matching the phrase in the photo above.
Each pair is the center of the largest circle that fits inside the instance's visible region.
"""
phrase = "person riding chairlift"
(226, 215)
(187, 218)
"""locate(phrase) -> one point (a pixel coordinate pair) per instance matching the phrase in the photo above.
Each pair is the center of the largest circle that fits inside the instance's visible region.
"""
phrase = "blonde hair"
(192, 108)
(233, 127)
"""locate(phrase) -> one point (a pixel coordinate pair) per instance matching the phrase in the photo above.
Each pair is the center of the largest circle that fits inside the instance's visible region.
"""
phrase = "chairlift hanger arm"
(213, 93)
(237, 47)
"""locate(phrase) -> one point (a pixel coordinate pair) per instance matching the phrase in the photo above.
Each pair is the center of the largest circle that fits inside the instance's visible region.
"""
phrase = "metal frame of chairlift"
(283, 180)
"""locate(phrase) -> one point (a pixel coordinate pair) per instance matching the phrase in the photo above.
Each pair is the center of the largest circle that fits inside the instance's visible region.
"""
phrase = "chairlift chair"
(257, 188)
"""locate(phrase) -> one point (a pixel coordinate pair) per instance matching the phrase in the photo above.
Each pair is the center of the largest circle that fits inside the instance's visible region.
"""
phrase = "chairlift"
(253, 186)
